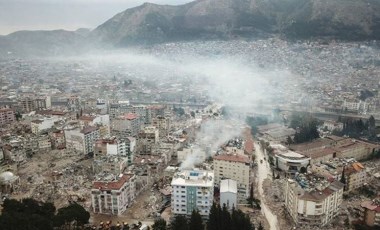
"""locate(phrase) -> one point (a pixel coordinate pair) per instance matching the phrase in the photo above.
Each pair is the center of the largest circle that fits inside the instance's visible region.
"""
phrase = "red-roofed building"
(112, 194)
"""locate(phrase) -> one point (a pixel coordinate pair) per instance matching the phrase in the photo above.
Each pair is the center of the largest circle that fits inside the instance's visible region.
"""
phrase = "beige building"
(147, 140)
(162, 124)
(125, 126)
(111, 194)
(7, 116)
(312, 201)
(356, 176)
(235, 167)
(371, 212)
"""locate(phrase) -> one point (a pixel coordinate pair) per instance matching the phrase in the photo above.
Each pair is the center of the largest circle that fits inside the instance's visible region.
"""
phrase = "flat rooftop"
(193, 178)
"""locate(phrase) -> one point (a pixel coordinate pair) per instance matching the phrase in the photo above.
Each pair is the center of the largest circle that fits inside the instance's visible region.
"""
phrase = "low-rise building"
(111, 194)
(228, 193)
(192, 190)
(40, 125)
(290, 162)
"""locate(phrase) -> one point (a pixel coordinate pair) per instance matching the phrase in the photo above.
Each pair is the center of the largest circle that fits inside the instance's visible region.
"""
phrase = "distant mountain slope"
(212, 19)
(344, 19)
(53, 42)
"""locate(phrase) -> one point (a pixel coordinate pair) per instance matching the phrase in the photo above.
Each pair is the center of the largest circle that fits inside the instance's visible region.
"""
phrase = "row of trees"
(29, 214)
(357, 128)
(306, 127)
(181, 223)
(219, 219)
(254, 122)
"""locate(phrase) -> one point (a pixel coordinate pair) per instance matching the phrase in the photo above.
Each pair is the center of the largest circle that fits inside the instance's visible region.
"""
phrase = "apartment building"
(125, 126)
(7, 116)
(110, 146)
(111, 194)
(371, 212)
(192, 189)
(356, 176)
(147, 140)
(81, 140)
(162, 124)
(39, 125)
(101, 121)
(312, 201)
(235, 167)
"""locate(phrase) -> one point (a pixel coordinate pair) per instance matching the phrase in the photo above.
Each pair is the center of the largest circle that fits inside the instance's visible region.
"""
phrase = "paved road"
(262, 173)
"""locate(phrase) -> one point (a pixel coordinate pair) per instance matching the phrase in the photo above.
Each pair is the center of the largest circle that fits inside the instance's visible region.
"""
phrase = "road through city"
(263, 171)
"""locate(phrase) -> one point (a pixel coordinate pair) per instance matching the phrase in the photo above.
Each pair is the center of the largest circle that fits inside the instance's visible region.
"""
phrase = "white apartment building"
(40, 125)
(101, 121)
(81, 140)
(111, 194)
(235, 167)
(228, 193)
(110, 146)
(312, 201)
(192, 189)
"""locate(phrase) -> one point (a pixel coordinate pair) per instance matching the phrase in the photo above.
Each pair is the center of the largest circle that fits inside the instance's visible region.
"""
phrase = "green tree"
(27, 214)
(214, 217)
(196, 221)
(159, 224)
(240, 221)
(192, 113)
(179, 223)
(73, 213)
(225, 218)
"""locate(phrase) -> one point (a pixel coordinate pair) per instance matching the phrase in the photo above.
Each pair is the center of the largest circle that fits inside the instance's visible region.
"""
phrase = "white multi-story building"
(111, 194)
(40, 125)
(312, 201)
(235, 167)
(192, 190)
(81, 140)
(110, 146)
(101, 121)
(228, 193)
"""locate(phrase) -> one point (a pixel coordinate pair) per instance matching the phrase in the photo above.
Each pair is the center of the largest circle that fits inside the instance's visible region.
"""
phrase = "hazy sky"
(63, 14)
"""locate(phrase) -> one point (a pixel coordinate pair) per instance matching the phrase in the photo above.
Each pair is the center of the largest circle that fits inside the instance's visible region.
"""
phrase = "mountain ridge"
(212, 19)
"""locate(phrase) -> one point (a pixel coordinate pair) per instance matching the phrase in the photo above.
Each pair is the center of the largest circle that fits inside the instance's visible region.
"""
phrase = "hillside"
(211, 19)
